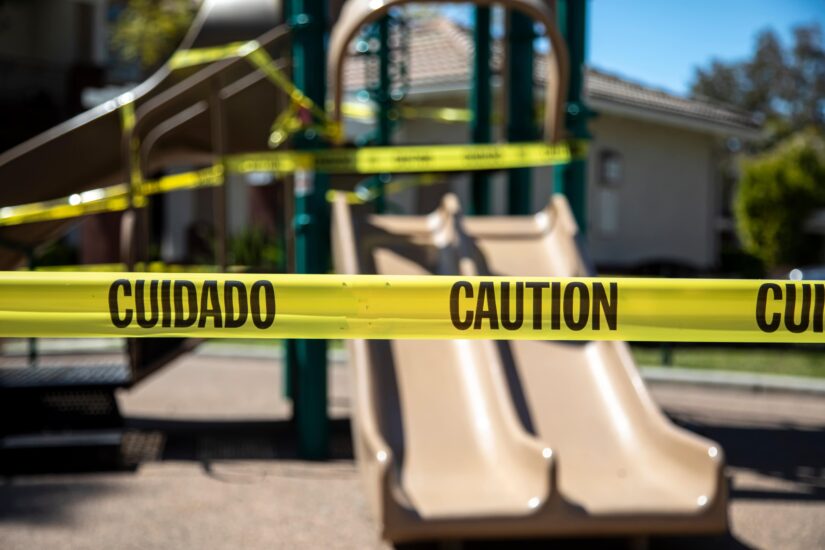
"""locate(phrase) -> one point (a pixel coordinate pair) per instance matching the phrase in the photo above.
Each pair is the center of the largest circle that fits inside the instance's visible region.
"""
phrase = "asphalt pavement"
(210, 462)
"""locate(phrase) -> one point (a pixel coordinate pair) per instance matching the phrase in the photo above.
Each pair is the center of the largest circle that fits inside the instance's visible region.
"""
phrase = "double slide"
(471, 438)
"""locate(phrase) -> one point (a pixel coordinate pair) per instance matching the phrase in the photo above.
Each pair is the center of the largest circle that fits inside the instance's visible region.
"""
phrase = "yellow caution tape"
(95, 201)
(410, 159)
(260, 58)
(127, 112)
(356, 110)
(387, 307)
(366, 160)
(364, 194)
(108, 199)
(288, 122)
(360, 110)
(200, 56)
(207, 177)
(369, 160)
(365, 111)
(444, 114)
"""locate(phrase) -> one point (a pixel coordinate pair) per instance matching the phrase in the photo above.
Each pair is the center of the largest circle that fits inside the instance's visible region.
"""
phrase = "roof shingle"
(440, 53)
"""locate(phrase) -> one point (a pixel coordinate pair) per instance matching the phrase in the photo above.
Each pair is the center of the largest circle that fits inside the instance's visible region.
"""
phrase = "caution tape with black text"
(398, 307)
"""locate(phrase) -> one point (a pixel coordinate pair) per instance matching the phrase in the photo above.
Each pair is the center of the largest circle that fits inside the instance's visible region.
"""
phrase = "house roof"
(609, 93)
(440, 51)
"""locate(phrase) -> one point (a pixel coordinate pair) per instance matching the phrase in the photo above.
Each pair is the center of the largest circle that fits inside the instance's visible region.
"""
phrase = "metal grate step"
(87, 438)
(110, 375)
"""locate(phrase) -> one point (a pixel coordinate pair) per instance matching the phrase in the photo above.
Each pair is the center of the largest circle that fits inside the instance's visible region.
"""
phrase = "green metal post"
(571, 179)
(520, 119)
(289, 357)
(480, 101)
(311, 223)
(384, 130)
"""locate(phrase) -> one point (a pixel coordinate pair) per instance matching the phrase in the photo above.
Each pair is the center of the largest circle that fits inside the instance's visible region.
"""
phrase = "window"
(610, 176)
(611, 168)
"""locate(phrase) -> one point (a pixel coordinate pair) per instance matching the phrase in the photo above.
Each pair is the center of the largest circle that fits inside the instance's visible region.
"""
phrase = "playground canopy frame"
(357, 13)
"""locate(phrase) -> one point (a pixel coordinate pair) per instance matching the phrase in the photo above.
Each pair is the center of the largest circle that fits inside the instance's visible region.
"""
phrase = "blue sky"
(661, 42)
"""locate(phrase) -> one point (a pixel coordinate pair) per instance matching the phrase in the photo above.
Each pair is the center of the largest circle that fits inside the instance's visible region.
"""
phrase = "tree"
(148, 31)
(778, 191)
(782, 175)
(784, 86)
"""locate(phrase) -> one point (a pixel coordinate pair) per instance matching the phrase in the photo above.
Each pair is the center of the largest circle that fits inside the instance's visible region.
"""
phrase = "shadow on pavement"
(149, 439)
(791, 453)
(155, 439)
(726, 542)
(788, 452)
(48, 502)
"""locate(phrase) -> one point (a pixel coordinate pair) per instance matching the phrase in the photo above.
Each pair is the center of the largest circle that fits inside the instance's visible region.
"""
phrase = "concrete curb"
(733, 380)
(653, 375)
(207, 349)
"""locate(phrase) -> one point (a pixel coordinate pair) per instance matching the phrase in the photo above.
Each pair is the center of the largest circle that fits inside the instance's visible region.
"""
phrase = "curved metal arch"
(357, 13)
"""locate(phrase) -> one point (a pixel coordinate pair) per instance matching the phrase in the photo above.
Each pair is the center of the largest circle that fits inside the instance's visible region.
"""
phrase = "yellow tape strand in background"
(108, 199)
(289, 122)
(386, 307)
(366, 160)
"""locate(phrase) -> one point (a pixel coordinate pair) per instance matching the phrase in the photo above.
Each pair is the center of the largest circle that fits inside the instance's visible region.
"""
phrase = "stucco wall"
(663, 210)
(422, 200)
(664, 207)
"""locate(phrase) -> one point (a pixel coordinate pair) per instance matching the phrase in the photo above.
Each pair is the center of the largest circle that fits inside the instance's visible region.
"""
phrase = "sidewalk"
(17, 351)
(737, 380)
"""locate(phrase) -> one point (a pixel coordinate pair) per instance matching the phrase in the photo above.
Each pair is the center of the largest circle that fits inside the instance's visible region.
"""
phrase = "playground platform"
(210, 464)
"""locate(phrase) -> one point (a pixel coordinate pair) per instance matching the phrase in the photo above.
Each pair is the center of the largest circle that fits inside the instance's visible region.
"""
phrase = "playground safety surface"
(211, 464)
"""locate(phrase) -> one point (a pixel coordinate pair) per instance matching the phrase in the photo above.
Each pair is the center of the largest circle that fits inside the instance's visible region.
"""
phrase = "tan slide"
(482, 439)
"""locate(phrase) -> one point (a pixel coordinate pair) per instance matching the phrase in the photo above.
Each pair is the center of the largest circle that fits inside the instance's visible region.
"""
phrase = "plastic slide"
(511, 439)
(172, 109)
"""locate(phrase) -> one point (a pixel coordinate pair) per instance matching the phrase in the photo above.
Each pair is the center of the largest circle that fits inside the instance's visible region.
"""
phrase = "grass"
(797, 361)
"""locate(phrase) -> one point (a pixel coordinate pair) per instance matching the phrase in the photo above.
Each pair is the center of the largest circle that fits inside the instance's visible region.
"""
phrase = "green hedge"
(778, 191)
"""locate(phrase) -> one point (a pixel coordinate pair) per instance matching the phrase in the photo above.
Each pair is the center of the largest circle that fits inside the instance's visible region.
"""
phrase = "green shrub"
(253, 247)
(778, 191)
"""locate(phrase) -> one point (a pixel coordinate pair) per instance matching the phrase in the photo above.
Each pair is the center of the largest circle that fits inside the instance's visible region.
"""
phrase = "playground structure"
(171, 120)
(486, 451)
(181, 117)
